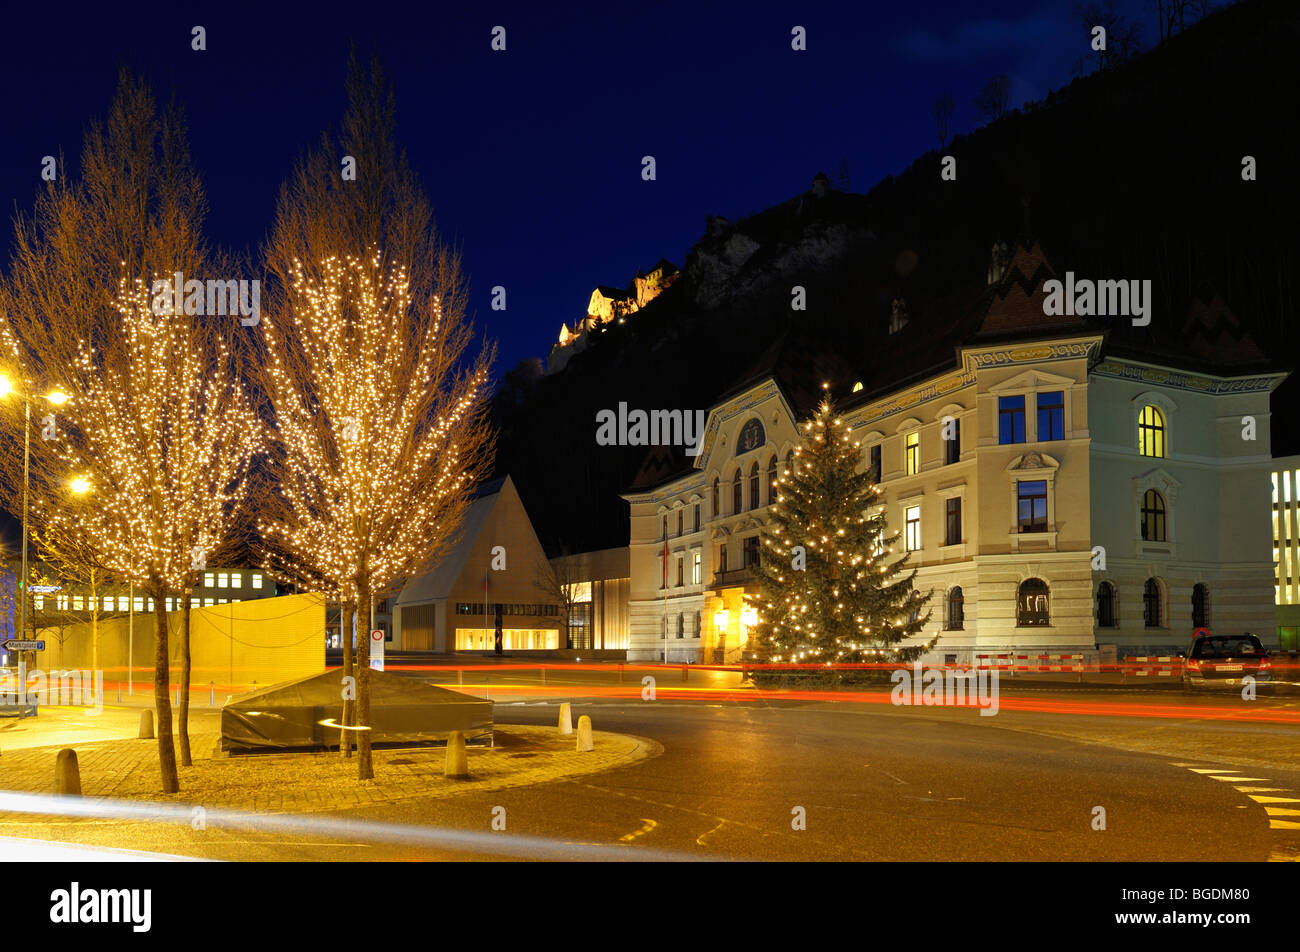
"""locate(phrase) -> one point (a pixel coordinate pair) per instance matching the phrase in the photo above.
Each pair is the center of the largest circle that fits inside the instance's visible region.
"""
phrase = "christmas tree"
(831, 589)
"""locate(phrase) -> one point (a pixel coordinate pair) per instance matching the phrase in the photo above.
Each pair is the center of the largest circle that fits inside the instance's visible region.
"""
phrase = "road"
(1205, 778)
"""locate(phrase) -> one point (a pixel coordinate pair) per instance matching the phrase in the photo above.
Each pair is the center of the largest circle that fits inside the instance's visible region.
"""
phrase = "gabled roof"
(1013, 306)
(438, 581)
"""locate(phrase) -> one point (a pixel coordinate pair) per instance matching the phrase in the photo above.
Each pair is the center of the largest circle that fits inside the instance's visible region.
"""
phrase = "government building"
(1064, 484)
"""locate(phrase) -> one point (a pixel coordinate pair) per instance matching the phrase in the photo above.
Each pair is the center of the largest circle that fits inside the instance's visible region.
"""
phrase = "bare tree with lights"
(156, 426)
(831, 589)
(377, 391)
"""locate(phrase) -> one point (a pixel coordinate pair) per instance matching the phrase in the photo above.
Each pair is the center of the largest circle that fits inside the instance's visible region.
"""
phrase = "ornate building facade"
(1059, 489)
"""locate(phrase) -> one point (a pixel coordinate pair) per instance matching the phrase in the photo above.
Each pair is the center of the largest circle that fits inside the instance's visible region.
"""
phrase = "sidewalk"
(315, 781)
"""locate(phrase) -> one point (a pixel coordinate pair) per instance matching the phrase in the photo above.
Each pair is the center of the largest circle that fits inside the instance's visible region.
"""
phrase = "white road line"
(1243, 779)
(1211, 770)
(1261, 789)
(1276, 799)
(1283, 825)
(1281, 811)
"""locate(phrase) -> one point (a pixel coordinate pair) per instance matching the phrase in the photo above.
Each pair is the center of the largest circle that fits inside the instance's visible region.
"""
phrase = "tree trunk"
(94, 625)
(349, 671)
(162, 703)
(184, 717)
(365, 768)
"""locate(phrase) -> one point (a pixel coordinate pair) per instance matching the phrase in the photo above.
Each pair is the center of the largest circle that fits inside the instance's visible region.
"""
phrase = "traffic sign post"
(377, 649)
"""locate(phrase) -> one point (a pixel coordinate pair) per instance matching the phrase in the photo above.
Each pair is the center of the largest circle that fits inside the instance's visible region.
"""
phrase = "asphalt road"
(1178, 779)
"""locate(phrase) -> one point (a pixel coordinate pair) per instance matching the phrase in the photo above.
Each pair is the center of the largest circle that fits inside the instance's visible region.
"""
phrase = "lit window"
(697, 570)
(76, 603)
(257, 580)
(169, 603)
(1011, 419)
(236, 580)
(912, 454)
(912, 519)
(681, 567)
(39, 602)
(123, 603)
(223, 580)
(1151, 432)
(139, 603)
(209, 580)
(207, 603)
(1031, 603)
(151, 604)
(108, 603)
(1031, 505)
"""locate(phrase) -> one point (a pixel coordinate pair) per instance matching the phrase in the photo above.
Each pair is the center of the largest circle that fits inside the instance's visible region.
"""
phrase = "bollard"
(457, 765)
(685, 673)
(212, 694)
(119, 692)
(67, 778)
(460, 677)
(584, 734)
(146, 723)
(566, 718)
(487, 686)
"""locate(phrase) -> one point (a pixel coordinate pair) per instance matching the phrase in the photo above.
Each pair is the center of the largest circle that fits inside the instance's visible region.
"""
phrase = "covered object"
(307, 713)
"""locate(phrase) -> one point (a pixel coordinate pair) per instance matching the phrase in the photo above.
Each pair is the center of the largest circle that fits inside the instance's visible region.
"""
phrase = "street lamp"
(58, 398)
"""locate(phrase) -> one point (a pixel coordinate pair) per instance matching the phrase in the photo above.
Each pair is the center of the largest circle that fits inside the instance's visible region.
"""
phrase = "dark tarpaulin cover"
(402, 710)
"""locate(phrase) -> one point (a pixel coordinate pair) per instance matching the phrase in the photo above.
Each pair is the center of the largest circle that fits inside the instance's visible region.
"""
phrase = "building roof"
(439, 580)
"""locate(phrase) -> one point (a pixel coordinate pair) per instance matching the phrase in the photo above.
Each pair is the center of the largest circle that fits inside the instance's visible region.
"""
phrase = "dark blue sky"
(532, 156)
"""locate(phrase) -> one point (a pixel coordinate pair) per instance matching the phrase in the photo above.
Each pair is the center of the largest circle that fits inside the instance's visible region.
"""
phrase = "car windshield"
(1227, 647)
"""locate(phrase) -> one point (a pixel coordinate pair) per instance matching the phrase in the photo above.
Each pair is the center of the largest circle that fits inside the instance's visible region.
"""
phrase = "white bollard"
(566, 718)
(584, 734)
(457, 765)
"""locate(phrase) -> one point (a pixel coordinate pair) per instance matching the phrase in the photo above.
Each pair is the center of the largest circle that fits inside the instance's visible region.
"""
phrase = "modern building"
(596, 586)
(496, 571)
(1063, 483)
(1286, 550)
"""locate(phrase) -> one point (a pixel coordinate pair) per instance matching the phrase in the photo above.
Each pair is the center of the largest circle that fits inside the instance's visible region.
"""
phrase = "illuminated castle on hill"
(610, 304)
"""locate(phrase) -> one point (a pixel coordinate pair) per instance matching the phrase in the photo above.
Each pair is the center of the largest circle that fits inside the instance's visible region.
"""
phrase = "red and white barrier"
(1153, 666)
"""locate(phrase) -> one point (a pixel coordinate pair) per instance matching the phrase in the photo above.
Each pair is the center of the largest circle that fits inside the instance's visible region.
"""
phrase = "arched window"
(771, 480)
(1031, 603)
(1106, 605)
(753, 485)
(736, 488)
(1151, 614)
(1154, 528)
(1151, 432)
(789, 462)
(956, 609)
(1200, 606)
(715, 509)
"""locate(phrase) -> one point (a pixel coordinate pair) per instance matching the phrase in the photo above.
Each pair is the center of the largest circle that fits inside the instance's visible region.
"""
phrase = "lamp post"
(58, 398)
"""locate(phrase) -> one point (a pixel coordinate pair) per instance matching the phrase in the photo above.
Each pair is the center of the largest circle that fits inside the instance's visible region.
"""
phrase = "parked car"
(1225, 661)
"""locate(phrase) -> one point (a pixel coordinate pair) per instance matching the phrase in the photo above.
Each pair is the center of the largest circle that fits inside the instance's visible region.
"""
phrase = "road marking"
(700, 839)
(1281, 811)
(646, 828)
(1243, 779)
(1283, 825)
(1276, 799)
(1211, 770)
(1261, 789)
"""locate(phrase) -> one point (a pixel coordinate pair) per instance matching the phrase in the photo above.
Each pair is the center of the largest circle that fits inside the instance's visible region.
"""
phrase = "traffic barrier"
(67, 777)
(146, 723)
(585, 742)
(1153, 666)
(995, 662)
(1054, 663)
(566, 718)
(457, 765)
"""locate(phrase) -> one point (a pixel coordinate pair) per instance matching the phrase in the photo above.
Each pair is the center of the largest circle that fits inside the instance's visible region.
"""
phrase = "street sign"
(46, 589)
(25, 645)
(377, 649)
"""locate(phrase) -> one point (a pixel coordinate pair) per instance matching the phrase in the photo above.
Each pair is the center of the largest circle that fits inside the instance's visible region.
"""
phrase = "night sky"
(532, 157)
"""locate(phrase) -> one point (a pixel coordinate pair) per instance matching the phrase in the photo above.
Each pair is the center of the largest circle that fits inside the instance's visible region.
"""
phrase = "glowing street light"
(80, 486)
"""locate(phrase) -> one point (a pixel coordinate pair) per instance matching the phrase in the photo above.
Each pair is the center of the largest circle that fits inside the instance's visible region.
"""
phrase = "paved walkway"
(312, 782)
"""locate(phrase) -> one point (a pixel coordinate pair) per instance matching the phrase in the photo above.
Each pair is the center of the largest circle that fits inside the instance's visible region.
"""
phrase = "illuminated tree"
(378, 403)
(157, 423)
(831, 590)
